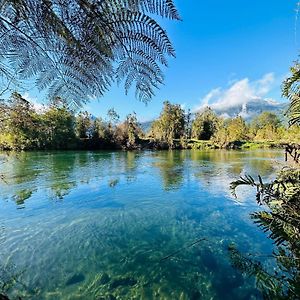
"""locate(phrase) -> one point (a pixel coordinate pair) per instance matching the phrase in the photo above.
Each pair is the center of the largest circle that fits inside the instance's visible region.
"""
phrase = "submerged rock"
(75, 279)
(195, 295)
(104, 279)
(125, 281)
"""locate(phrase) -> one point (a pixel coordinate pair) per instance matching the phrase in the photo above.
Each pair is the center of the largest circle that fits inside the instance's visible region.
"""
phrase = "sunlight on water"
(126, 225)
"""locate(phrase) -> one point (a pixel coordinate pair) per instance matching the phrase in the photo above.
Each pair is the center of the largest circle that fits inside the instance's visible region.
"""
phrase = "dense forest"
(57, 127)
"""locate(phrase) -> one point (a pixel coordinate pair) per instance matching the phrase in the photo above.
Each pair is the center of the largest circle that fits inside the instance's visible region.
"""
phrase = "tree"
(205, 124)
(113, 117)
(99, 131)
(170, 125)
(77, 48)
(291, 90)
(230, 132)
(133, 130)
(127, 133)
(237, 129)
(84, 125)
(265, 126)
(58, 128)
(264, 119)
(17, 123)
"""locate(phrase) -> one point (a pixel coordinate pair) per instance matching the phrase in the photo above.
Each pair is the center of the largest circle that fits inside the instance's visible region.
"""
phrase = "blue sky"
(221, 46)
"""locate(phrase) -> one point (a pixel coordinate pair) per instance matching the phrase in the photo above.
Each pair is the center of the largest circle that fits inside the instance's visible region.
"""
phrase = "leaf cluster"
(282, 223)
(76, 49)
(291, 90)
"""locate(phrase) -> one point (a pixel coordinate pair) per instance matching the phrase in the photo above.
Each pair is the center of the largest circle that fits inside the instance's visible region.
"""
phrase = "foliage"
(57, 127)
(17, 123)
(76, 49)
(265, 126)
(170, 125)
(127, 134)
(83, 125)
(291, 90)
(290, 134)
(231, 132)
(264, 119)
(205, 124)
(282, 222)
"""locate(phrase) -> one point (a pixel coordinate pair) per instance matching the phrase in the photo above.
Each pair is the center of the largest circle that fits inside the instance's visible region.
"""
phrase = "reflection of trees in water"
(19, 170)
(218, 163)
(123, 164)
(224, 165)
(215, 156)
(26, 172)
(22, 167)
(130, 161)
(262, 161)
(22, 195)
(171, 167)
(221, 165)
(59, 173)
(263, 166)
(128, 244)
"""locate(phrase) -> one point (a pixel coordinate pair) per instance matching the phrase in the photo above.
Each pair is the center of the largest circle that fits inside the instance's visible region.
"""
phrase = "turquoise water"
(128, 225)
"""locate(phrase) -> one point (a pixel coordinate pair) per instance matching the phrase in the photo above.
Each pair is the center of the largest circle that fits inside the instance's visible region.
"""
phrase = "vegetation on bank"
(281, 220)
(57, 127)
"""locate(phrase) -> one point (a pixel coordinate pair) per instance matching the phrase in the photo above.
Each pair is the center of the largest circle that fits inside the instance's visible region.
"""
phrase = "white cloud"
(38, 107)
(239, 93)
(211, 95)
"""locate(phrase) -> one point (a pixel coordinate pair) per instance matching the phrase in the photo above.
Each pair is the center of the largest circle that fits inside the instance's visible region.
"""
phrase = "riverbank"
(180, 144)
(151, 144)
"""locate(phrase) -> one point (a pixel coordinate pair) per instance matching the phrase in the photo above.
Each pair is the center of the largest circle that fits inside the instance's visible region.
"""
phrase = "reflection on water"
(128, 225)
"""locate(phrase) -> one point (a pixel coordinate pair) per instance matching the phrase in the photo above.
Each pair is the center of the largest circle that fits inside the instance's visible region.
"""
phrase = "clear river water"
(129, 225)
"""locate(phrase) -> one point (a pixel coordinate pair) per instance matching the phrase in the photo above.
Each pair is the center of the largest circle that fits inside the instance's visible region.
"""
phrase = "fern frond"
(86, 45)
(291, 90)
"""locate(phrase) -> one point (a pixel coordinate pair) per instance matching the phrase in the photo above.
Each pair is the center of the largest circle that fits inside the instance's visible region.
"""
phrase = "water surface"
(128, 225)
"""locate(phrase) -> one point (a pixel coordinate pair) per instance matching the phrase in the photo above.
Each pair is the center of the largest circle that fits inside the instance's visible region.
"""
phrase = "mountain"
(251, 109)
(248, 110)
(146, 125)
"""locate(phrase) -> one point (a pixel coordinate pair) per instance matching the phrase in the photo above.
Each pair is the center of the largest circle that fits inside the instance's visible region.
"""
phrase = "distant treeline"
(56, 127)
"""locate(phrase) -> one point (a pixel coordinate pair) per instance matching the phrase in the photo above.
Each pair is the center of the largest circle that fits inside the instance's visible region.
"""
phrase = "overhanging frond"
(80, 47)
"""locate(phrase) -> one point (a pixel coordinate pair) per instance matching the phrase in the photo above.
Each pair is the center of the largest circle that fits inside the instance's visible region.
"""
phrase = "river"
(129, 225)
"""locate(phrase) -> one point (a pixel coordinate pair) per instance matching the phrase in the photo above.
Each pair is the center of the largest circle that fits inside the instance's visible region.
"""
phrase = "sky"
(227, 52)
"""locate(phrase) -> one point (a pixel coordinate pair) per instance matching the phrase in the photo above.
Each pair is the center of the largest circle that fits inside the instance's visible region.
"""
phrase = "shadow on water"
(129, 224)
